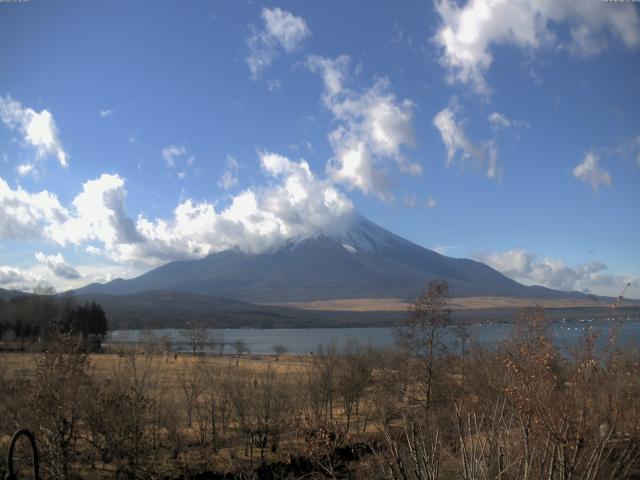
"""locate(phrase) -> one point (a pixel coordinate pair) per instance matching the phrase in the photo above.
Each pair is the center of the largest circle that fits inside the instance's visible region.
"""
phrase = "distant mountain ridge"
(365, 261)
(8, 294)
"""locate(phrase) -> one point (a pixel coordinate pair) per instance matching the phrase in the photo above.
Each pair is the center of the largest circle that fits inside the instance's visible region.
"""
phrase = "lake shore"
(308, 340)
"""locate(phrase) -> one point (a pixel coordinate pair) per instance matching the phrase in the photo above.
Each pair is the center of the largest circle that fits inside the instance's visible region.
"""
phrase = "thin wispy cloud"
(499, 121)
(414, 201)
(590, 172)
(280, 31)
(229, 178)
(460, 148)
(444, 249)
(171, 153)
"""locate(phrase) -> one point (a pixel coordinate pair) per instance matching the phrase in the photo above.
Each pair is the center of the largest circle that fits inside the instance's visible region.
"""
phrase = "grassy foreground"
(522, 411)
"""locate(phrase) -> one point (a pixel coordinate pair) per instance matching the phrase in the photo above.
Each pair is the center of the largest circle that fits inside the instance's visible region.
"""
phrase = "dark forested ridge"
(167, 309)
(164, 309)
(158, 309)
(42, 318)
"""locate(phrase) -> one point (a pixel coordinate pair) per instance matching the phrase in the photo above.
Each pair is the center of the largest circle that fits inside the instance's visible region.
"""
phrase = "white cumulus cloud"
(38, 130)
(97, 213)
(525, 267)
(590, 172)
(57, 265)
(373, 126)
(25, 215)
(281, 30)
(294, 204)
(12, 278)
(471, 30)
(25, 169)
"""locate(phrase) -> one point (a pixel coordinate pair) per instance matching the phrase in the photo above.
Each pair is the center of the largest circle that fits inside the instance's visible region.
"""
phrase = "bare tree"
(195, 336)
(353, 377)
(279, 350)
(218, 342)
(214, 405)
(167, 345)
(190, 383)
(421, 336)
(240, 346)
(321, 385)
(151, 342)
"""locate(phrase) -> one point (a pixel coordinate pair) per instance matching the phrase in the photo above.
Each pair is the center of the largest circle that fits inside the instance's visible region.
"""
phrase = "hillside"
(163, 309)
(365, 262)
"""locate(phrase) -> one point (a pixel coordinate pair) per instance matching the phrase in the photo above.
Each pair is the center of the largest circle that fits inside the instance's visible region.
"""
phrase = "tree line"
(41, 319)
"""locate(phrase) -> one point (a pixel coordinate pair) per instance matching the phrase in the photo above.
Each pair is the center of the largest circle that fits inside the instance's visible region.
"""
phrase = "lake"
(307, 340)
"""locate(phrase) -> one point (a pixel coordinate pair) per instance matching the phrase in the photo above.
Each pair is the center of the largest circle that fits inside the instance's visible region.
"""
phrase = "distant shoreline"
(305, 340)
(456, 303)
(319, 319)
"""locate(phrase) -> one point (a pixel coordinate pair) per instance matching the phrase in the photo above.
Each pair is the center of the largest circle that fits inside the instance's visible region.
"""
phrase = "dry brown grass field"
(169, 380)
(183, 386)
(318, 405)
(461, 303)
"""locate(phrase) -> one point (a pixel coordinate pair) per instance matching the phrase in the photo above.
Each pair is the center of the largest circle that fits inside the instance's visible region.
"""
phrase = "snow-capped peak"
(361, 236)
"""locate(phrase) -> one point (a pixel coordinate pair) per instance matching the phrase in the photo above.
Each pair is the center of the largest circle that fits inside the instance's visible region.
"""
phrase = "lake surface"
(307, 340)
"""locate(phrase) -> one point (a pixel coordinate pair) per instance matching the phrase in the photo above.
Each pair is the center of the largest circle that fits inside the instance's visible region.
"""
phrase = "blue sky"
(134, 133)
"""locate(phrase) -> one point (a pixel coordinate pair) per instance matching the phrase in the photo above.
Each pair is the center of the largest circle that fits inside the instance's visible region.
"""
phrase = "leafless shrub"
(279, 350)
(410, 450)
(262, 408)
(62, 390)
(120, 422)
(354, 372)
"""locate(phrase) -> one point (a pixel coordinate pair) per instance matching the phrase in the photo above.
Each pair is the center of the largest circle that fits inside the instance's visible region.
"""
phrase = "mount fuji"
(365, 261)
